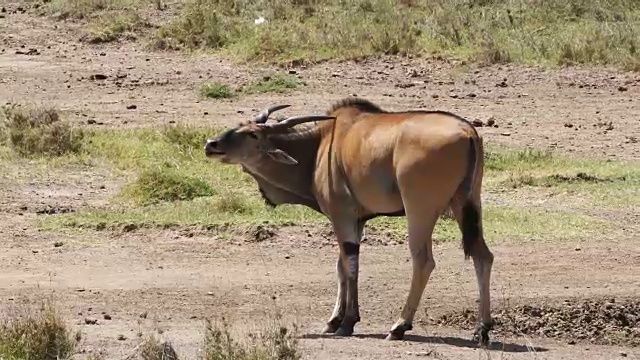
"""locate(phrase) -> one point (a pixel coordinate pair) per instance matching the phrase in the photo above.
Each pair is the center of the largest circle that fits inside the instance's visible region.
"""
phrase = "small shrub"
(278, 83)
(114, 27)
(40, 335)
(166, 184)
(216, 90)
(276, 343)
(38, 131)
(153, 349)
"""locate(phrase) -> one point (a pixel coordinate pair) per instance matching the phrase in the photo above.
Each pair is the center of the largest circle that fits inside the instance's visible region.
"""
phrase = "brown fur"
(370, 162)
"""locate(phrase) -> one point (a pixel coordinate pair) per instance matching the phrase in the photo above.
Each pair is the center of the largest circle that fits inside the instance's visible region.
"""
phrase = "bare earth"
(178, 278)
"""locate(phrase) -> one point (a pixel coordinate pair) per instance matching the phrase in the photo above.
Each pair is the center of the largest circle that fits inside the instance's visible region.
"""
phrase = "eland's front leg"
(341, 301)
(349, 242)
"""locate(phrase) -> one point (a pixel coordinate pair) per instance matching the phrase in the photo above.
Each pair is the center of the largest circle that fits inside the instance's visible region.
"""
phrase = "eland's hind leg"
(468, 214)
(420, 245)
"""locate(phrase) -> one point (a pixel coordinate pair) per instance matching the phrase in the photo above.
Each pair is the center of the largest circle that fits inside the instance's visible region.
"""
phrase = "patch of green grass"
(216, 90)
(32, 131)
(274, 83)
(276, 342)
(606, 182)
(174, 184)
(39, 334)
(166, 184)
(278, 83)
(528, 31)
(112, 27)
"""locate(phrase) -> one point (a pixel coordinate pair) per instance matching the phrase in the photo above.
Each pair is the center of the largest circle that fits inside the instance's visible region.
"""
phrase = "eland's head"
(249, 142)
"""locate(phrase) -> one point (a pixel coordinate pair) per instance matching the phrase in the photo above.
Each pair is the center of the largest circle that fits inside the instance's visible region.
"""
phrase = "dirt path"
(179, 280)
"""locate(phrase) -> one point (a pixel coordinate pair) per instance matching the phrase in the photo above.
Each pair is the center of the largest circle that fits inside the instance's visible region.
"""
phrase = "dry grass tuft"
(275, 343)
(153, 349)
(38, 131)
(40, 334)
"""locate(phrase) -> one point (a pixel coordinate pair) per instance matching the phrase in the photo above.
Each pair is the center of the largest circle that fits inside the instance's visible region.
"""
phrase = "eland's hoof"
(397, 333)
(395, 336)
(344, 330)
(332, 326)
(481, 335)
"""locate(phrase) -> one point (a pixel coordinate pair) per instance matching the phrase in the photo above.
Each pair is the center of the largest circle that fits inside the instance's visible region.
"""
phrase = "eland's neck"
(290, 184)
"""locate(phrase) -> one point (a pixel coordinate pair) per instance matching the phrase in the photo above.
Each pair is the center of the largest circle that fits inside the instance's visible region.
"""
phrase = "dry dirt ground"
(179, 278)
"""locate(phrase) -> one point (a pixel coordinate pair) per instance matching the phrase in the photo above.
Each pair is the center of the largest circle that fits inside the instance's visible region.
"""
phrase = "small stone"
(568, 125)
(122, 337)
(505, 134)
(477, 123)
(98, 77)
(107, 317)
(578, 248)
(132, 107)
(491, 121)
(210, 293)
(143, 315)
(35, 251)
(293, 72)
(623, 354)
(287, 257)
(91, 122)
(471, 95)
(206, 113)
(622, 88)
(90, 321)
(58, 244)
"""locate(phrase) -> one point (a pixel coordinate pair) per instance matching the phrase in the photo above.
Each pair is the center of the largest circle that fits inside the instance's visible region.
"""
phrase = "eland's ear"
(281, 156)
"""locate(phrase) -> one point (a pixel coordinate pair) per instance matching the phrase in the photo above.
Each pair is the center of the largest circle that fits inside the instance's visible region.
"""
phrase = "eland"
(359, 162)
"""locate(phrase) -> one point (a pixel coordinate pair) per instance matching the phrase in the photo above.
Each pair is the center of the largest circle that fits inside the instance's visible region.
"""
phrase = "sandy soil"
(179, 278)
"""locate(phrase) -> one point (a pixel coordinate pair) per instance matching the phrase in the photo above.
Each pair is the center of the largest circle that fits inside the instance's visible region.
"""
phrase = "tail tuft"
(470, 227)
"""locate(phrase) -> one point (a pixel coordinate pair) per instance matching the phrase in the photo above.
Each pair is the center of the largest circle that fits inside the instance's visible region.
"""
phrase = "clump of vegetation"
(530, 31)
(153, 349)
(233, 203)
(278, 83)
(36, 335)
(216, 90)
(111, 27)
(37, 131)
(188, 139)
(166, 184)
(276, 343)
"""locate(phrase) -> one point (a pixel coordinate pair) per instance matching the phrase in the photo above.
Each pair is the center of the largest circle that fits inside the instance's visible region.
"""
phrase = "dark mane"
(359, 103)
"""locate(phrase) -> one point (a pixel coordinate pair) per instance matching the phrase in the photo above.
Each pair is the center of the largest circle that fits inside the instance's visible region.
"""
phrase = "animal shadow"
(448, 340)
